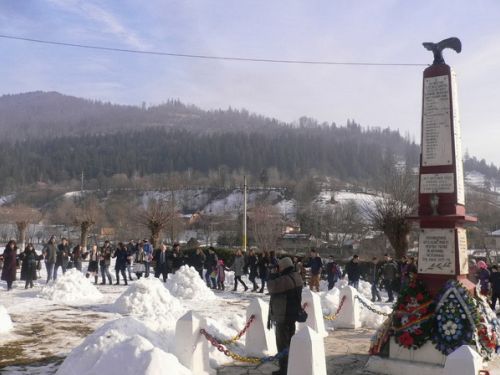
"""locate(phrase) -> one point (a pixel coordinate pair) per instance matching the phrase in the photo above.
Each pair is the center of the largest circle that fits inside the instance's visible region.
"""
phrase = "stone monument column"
(442, 253)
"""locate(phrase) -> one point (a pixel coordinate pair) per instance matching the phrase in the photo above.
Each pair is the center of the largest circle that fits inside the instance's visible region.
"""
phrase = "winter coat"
(238, 265)
(9, 264)
(484, 280)
(121, 259)
(353, 271)
(263, 267)
(221, 273)
(50, 252)
(316, 265)
(105, 256)
(333, 271)
(211, 261)
(177, 260)
(148, 250)
(373, 272)
(197, 260)
(390, 270)
(28, 267)
(93, 261)
(252, 262)
(62, 257)
(495, 282)
(285, 289)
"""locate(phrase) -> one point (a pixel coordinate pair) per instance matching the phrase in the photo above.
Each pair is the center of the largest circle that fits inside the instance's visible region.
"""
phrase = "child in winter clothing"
(220, 274)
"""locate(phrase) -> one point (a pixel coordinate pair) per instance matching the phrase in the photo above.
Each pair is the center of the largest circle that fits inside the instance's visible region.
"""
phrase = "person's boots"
(245, 286)
(117, 279)
(96, 279)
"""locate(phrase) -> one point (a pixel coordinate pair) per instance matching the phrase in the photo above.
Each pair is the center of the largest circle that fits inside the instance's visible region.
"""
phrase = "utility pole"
(244, 213)
(81, 185)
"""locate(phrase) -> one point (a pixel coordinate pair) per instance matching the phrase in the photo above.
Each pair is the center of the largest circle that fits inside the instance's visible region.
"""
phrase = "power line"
(206, 57)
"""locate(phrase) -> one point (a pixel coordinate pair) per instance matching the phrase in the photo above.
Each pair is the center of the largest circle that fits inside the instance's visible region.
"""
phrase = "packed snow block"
(5, 321)
(314, 311)
(259, 340)
(463, 361)
(349, 314)
(191, 348)
(307, 353)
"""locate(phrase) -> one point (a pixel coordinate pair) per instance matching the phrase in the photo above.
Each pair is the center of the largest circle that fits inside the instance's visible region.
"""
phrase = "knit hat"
(481, 264)
(285, 263)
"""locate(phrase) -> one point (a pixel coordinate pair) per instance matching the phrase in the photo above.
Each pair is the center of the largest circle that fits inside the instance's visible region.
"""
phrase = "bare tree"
(389, 213)
(345, 223)
(22, 215)
(156, 217)
(86, 215)
(266, 224)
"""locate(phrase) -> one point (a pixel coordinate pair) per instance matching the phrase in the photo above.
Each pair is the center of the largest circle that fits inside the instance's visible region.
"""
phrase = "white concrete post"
(307, 353)
(259, 340)
(191, 348)
(349, 314)
(314, 312)
(463, 361)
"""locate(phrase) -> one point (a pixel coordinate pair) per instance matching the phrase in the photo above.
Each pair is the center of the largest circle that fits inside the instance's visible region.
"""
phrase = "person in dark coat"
(121, 262)
(263, 267)
(373, 278)
(131, 249)
(483, 276)
(177, 257)
(29, 260)
(9, 263)
(333, 273)
(93, 267)
(353, 271)
(62, 257)
(77, 255)
(105, 262)
(197, 260)
(495, 286)
(252, 263)
(49, 253)
(211, 262)
(389, 275)
(285, 289)
(316, 265)
(160, 258)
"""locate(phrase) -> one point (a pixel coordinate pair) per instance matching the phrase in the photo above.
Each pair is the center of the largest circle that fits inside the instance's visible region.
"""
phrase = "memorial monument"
(439, 316)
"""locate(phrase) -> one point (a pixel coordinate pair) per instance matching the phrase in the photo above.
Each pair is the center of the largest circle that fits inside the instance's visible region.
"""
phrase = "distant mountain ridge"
(47, 114)
(52, 138)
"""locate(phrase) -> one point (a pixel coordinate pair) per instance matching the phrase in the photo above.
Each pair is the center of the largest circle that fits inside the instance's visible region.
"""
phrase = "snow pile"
(370, 319)
(330, 301)
(126, 346)
(5, 321)
(149, 299)
(71, 289)
(365, 289)
(186, 283)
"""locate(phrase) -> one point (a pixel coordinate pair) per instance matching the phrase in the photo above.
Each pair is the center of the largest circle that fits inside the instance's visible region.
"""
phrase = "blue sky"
(371, 30)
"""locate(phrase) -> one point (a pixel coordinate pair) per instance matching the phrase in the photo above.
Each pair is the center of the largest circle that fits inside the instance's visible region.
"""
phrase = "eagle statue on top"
(437, 48)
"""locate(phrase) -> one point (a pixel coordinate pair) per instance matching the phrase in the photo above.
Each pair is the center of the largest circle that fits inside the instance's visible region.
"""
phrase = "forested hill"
(49, 137)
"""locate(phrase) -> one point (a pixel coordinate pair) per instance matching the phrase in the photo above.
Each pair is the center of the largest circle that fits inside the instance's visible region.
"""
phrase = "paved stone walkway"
(346, 354)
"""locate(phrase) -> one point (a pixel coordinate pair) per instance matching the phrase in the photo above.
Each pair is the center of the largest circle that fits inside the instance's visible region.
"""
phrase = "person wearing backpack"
(285, 306)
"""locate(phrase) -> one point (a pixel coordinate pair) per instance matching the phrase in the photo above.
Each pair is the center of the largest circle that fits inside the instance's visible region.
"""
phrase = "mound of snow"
(186, 283)
(5, 321)
(370, 319)
(71, 289)
(149, 299)
(126, 346)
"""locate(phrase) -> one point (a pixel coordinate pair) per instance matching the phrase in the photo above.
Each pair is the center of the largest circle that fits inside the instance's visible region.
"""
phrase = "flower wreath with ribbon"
(412, 322)
(488, 329)
(455, 319)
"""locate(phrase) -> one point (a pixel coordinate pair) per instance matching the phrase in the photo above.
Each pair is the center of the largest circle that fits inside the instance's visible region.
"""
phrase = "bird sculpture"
(437, 48)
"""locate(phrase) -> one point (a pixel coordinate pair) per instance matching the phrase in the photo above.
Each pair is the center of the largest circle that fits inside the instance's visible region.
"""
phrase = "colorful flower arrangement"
(412, 316)
(456, 318)
(488, 329)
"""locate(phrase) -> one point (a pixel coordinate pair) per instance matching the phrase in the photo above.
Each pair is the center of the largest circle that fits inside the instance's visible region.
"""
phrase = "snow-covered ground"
(94, 326)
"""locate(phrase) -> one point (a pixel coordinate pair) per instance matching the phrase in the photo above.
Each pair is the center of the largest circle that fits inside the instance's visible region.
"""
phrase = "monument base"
(390, 366)
(427, 354)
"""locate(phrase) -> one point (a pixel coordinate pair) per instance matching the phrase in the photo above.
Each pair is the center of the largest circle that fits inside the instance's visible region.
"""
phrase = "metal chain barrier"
(228, 353)
(334, 316)
(371, 308)
(240, 334)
